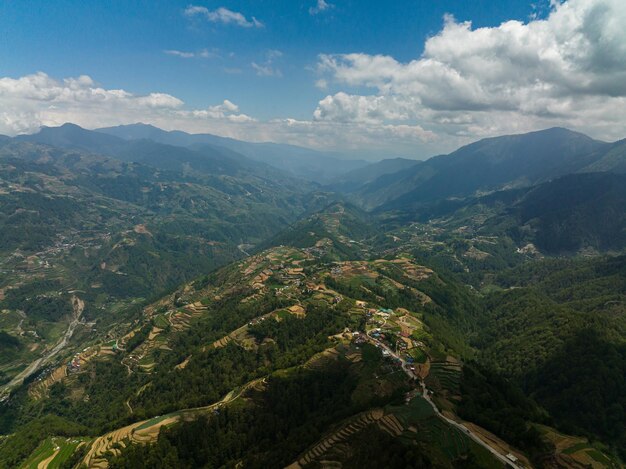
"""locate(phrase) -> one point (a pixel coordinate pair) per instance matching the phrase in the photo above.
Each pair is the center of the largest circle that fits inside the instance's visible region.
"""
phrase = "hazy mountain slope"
(117, 232)
(352, 180)
(207, 159)
(73, 136)
(231, 203)
(487, 165)
(566, 215)
(303, 162)
(613, 160)
(576, 212)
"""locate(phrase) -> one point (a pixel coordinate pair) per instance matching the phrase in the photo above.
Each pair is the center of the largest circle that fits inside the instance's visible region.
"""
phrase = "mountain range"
(178, 300)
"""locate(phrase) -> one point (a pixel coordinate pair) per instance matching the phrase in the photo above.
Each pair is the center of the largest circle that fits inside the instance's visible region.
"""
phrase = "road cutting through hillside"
(460, 426)
(78, 307)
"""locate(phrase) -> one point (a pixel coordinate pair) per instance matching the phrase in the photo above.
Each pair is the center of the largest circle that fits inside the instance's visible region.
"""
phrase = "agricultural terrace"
(52, 452)
(573, 451)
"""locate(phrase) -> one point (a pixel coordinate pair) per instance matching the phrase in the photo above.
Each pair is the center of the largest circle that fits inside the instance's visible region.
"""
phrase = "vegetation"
(256, 363)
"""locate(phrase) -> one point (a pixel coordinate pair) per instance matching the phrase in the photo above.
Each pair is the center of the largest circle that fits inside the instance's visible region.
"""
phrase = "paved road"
(78, 305)
(460, 426)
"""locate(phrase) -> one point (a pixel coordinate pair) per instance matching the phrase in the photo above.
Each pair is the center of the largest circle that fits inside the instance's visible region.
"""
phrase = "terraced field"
(577, 452)
(147, 431)
(445, 376)
(52, 452)
(341, 434)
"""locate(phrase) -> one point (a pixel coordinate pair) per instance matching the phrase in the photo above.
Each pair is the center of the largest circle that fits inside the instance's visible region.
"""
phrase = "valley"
(198, 309)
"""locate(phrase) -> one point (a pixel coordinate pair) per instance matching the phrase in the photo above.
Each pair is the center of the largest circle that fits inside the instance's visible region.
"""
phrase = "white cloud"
(567, 69)
(222, 15)
(28, 102)
(226, 110)
(322, 84)
(179, 53)
(273, 54)
(267, 69)
(204, 54)
(209, 54)
(320, 7)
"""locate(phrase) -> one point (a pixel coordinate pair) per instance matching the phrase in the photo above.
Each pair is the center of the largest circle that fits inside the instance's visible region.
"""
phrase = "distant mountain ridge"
(493, 164)
(208, 159)
(359, 177)
(307, 163)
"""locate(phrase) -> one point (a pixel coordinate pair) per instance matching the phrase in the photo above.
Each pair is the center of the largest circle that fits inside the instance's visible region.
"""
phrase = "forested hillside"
(188, 307)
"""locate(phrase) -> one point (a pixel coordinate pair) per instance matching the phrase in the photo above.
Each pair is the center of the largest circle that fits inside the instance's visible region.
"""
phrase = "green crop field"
(48, 447)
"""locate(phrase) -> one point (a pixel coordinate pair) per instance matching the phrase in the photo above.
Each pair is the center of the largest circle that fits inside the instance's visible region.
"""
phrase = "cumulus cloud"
(227, 110)
(31, 101)
(28, 102)
(222, 15)
(566, 68)
(563, 70)
(320, 7)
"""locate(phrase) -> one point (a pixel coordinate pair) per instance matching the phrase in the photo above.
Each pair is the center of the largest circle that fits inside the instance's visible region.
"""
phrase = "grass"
(449, 440)
(66, 446)
(575, 448)
(147, 360)
(420, 334)
(418, 409)
(598, 456)
(448, 376)
(161, 322)
(418, 354)
(283, 314)
(154, 421)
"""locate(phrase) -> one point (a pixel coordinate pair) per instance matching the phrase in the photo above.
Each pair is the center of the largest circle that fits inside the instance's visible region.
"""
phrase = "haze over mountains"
(303, 162)
(313, 235)
(211, 285)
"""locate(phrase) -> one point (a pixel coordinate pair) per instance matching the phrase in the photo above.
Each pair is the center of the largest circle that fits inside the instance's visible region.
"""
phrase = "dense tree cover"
(522, 329)
(560, 335)
(372, 447)
(289, 415)
(296, 337)
(14, 448)
(343, 224)
(545, 304)
(577, 211)
(583, 386)
(215, 371)
(139, 337)
(8, 342)
(501, 407)
(29, 220)
(209, 375)
(40, 300)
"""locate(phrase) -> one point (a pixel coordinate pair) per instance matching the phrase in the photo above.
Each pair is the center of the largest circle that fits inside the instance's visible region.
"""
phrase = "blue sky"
(267, 59)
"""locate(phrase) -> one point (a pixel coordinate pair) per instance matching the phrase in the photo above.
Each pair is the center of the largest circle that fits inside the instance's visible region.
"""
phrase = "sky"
(373, 79)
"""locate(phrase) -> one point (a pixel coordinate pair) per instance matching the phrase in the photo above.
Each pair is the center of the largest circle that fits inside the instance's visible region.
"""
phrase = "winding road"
(78, 306)
(460, 426)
